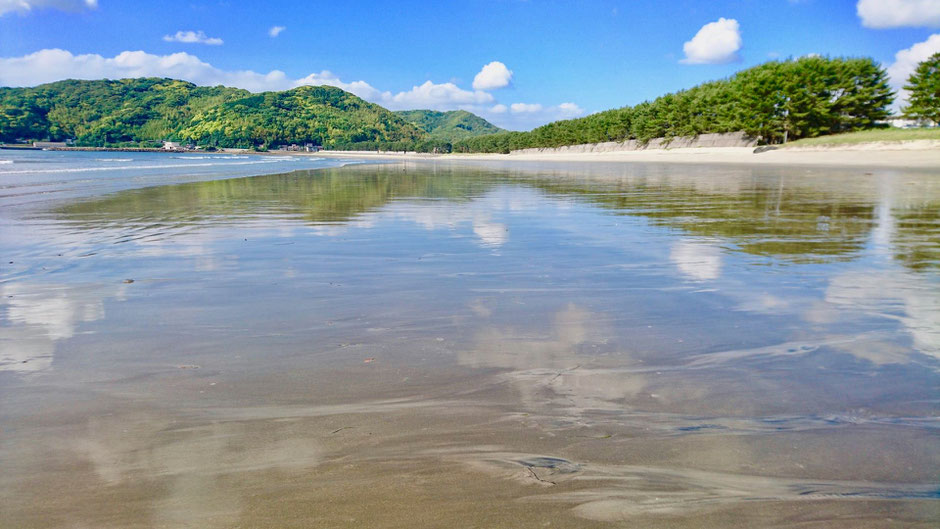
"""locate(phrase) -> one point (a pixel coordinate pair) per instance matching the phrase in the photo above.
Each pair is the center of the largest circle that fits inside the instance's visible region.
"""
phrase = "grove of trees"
(800, 98)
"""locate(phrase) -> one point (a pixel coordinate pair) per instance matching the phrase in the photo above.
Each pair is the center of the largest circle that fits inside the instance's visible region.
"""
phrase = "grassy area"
(868, 136)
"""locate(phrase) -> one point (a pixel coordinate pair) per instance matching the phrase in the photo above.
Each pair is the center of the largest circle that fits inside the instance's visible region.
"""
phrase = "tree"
(924, 86)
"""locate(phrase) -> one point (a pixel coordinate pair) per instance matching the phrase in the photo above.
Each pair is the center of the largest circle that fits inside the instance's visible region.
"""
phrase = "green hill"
(99, 113)
(449, 126)
(323, 115)
(142, 112)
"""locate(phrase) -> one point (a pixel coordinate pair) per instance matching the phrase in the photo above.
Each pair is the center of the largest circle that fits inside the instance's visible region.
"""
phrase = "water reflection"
(631, 328)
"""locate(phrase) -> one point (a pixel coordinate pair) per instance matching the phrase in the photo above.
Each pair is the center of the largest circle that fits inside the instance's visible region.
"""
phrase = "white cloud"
(193, 37)
(570, 109)
(517, 108)
(492, 76)
(275, 31)
(445, 95)
(899, 13)
(906, 60)
(716, 43)
(524, 116)
(25, 6)
(55, 64)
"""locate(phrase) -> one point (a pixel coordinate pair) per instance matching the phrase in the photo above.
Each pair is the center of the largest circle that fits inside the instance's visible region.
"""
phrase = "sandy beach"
(909, 155)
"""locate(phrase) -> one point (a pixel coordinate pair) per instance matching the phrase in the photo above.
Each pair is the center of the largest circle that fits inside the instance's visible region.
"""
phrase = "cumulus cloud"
(54, 64)
(444, 95)
(499, 109)
(275, 31)
(899, 13)
(906, 60)
(25, 6)
(193, 37)
(492, 76)
(716, 43)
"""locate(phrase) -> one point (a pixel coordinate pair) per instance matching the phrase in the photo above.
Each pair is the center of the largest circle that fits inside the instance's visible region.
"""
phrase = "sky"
(517, 63)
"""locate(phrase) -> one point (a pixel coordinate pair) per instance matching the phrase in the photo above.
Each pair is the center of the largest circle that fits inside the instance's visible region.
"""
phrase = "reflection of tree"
(327, 196)
(800, 220)
(760, 216)
(916, 240)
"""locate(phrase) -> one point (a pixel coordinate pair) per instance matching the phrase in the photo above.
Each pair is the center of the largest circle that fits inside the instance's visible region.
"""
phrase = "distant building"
(49, 144)
(172, 146)
(902, 122)
(309, 147)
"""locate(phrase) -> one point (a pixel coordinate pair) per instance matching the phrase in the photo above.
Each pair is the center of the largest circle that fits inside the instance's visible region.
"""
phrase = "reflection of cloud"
(697, 260)
(549, 365)
(192, 463)
(37, 316)
(908, 298)
(445, 216)
(490, 234)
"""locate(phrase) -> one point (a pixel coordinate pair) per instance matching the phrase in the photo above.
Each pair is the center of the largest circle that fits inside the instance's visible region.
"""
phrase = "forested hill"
(143, 112)
(806, 97)
(98, 113)
(449, 126)
(323, 115)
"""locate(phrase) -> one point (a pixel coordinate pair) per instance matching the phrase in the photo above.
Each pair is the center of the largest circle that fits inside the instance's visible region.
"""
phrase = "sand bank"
(911, 154)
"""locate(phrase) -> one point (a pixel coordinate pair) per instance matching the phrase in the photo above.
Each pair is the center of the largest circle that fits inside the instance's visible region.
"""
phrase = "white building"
(902, 122)
(172, 146)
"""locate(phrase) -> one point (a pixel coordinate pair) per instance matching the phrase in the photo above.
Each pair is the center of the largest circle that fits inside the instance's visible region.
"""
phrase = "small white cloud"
(25, 6)
(494, 75)
(193, 37)
(906, 61)
(518, 108)
(275, 31)
(899, 13)
(525, 116)
(716, 43)
(570, 109)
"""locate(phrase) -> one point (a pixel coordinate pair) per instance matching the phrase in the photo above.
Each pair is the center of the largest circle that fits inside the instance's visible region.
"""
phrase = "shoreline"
(917, 154)
(914, 154)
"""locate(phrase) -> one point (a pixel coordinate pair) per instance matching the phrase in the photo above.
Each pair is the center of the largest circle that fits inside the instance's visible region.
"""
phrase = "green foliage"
(802, 98)
(924, 86)
(323, 115)
(449, 126)
(99, 113)
(142, 112)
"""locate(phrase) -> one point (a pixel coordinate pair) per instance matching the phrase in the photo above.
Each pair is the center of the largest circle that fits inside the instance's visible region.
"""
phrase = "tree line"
(775, 101)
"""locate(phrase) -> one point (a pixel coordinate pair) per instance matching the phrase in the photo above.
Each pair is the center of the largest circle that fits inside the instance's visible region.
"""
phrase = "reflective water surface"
(437, 344)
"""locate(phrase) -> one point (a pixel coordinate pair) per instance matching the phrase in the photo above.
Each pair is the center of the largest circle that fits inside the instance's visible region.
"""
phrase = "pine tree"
(924, 87)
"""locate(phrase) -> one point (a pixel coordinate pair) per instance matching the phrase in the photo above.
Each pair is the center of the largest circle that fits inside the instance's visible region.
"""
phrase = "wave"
(213, 157)
(6, 162)
(114, 159)
(128, 167)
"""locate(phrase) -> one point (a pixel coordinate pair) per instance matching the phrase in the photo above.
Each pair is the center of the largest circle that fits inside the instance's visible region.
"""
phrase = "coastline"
(915, 154)
(918, 154)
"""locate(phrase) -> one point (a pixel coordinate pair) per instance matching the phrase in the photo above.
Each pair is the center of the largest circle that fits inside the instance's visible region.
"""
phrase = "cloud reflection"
(37, 316)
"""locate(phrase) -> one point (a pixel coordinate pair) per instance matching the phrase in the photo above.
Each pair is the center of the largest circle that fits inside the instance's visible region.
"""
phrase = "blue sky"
(554, 59)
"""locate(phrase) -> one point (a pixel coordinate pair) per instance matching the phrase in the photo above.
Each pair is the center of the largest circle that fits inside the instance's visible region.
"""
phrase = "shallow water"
(444, 344)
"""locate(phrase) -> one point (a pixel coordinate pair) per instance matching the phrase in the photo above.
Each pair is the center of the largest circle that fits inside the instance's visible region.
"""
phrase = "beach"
(913, 154)
(429, 342)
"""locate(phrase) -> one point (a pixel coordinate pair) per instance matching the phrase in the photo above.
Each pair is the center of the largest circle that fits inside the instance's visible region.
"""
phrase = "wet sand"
(502, 345)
